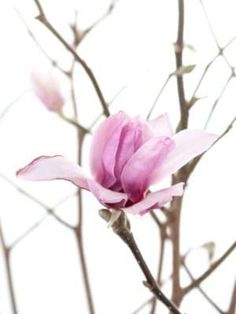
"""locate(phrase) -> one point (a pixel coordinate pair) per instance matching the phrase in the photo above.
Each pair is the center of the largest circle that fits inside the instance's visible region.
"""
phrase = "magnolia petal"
(188, 145)
(111, 127)
(161, 126)
(155, 199)
(107, 197)
(142, 166)
(45, 168)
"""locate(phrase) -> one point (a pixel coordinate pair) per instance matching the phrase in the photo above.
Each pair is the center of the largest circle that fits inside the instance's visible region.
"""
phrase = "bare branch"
(232, 306)
(202, 291)
(6, 254)
(42, 18)
(217, 100)
(178, 56)
(35, 40)
(49, 210)
(158, 96)
(196, 282)
(122, 228)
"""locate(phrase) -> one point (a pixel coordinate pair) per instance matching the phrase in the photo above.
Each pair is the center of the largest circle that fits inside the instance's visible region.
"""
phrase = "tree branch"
(6, 254)
(196, 282)
(202, 291)
(42, 18)
(183, 124)
(122, 228)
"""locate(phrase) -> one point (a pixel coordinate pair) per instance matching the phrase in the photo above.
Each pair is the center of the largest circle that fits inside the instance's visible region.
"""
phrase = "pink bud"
(47, 88)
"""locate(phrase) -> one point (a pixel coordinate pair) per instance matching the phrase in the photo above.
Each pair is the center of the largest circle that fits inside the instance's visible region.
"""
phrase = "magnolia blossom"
(47, 88)
(128, 155)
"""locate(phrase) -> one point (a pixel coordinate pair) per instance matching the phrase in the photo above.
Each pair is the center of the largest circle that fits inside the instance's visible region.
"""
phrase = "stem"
(6, 254)
(214, 266)
(183, 124)
(128, 238)
(175, 238)
(79, 227)
(202, 291)
(160, 264)
(232, 306)
(79, 241)
(122, 228)
(42, 18)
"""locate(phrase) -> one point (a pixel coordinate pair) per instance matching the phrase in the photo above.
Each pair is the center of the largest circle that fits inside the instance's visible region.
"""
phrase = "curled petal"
(155, 199)
(161, 126)
(139, 171)
(107, 197)
(104, 147)
(188, 144)
(47, 168)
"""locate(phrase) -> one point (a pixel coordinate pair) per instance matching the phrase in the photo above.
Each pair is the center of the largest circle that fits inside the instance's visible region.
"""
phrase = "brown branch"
(163, 238)
(6, 253)
(183, 124)
(232, 306)
(35, 40)
(49, 210)
(42, 18)
(78, 230)
(217, 100)
(38, 223)
(122, 228)
(196, 282)
(202, 291)
(206, 69)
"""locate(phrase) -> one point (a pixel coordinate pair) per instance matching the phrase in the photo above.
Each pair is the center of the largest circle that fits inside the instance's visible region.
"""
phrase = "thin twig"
(42, 18)
(49, 210)
(38, 223)
(6, 254)
(122, 228)
(160, 263)
(142, 306)
(183, 124)
(78, 230)
(217, 100)
(232, 305)
(206, 296)
(35, 40)
(158, 96)
(13, 102)
(196, 282)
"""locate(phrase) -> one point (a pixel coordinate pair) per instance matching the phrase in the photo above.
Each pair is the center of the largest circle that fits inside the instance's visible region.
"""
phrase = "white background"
(133, 48)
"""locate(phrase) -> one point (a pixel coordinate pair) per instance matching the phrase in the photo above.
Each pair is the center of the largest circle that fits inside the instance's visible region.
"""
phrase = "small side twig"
(206, 296)
(6, 253)
(42, 18)
(196, 282)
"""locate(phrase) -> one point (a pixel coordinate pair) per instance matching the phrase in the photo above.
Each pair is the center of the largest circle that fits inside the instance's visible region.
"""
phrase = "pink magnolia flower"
(47, 88)
(128, 155)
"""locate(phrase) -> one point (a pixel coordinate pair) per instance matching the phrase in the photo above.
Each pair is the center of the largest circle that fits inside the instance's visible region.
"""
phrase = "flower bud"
(47, 88)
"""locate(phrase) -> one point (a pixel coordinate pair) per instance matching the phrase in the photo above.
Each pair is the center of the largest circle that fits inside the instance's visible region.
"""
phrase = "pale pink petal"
(47, 88)
(139, 171)
(107, 197)
(130, 140)
(103, 148)
(188, 144)
(161, 126)
(47, 168)
(155, 199)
